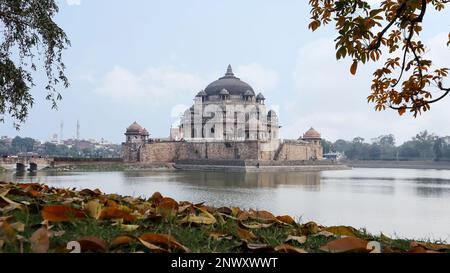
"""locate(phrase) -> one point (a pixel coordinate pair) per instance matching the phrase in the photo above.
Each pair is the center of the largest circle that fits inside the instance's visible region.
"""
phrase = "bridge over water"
(26, 163)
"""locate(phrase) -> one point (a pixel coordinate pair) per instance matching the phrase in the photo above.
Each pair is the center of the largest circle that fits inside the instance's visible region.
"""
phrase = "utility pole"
(78, 130)
(61, 131)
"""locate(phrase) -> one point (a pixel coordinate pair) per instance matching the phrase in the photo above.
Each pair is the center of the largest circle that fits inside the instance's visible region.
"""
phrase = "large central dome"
(229, 82)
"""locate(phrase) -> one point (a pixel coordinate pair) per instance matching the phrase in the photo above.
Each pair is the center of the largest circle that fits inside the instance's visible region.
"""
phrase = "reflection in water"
(407, 203)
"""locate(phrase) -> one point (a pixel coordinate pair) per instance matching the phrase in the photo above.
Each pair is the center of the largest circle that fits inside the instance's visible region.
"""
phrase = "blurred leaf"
(164, 240)
(59, 213)
(347, 244)
(40, 242)
(116, 213)
(93, 244)
(285, 248)
(342, 230)
(298, 239)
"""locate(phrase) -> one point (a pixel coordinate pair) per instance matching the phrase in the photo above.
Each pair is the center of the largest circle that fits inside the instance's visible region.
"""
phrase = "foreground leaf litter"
(38, 218)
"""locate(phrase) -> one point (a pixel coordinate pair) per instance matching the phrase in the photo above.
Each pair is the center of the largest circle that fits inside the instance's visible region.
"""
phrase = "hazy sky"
(144, 61)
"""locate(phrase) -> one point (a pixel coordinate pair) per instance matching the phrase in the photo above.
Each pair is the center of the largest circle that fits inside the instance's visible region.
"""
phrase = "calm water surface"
(397, 202)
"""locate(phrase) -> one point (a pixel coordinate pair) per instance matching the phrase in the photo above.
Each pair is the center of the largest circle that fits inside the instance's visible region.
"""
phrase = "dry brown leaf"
(91, 243)
(155, 198)
(59, 213)
(152, 247)
(7, 231)
(220, 235)
(262, 215)
(298, 239)
(259, 247)
(285, 248)
(342, 230)
(286, 219)
(167, 207)
(347, 244)
(164, 240)
(18, 226)
(242, 215)
(40, 242)
(122, 240)
(116, 213)
(431, 246)
(419, 249)
(225, 210)
(245, 234)
(309, 228)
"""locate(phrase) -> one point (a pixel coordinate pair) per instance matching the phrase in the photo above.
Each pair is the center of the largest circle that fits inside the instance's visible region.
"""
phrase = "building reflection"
(308, 180)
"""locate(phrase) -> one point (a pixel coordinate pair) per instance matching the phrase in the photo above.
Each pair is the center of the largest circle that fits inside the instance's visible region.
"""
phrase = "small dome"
(271, 114)
(260, 96)
(201, 94)
(249, 93)
(224, 92)
(312, 134)
(135, 127)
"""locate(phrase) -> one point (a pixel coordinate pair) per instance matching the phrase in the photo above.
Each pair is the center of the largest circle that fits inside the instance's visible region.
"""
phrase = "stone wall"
(299, 151)
(170, 151)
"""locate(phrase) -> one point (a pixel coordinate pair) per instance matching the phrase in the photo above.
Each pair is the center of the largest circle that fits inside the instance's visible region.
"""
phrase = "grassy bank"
(36, 218)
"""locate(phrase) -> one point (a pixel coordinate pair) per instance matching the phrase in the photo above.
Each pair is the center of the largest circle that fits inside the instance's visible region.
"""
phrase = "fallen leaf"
(431, 246)
(285, 248)
(324, 233)
(262, 215)
(245, 234)
(116, 213)
(419, 249)
(152, 247)
(93, 208)
(342, 230)
(309, 228)
(286, 219)
(93, 244)
(59, 213)
(298, 239)
(347, 244)
(40, 242)
(129, 228)
(167, 207)
(204, 217)
(7, 231)
(220, 235)
(225, 210)
(259, 247)
(164, 240)
(18, 226)
(122, 240)
(254, 225)
(155, 198)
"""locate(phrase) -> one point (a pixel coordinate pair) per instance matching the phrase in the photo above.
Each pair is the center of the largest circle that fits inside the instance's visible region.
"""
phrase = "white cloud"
(73, 2)
(155, 85)
(262, 79)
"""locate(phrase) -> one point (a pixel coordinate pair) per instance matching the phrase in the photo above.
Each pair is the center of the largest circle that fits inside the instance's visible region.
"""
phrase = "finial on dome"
(229, 71)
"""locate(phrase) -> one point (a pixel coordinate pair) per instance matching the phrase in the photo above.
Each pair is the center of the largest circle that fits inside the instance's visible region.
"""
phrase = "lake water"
(398, 202)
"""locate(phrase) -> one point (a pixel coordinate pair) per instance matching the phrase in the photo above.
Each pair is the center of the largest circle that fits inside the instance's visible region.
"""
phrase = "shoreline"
(381, 164)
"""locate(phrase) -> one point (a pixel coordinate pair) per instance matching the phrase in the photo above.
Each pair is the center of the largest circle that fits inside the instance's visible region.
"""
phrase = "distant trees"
(424, 146)
(25, 145)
